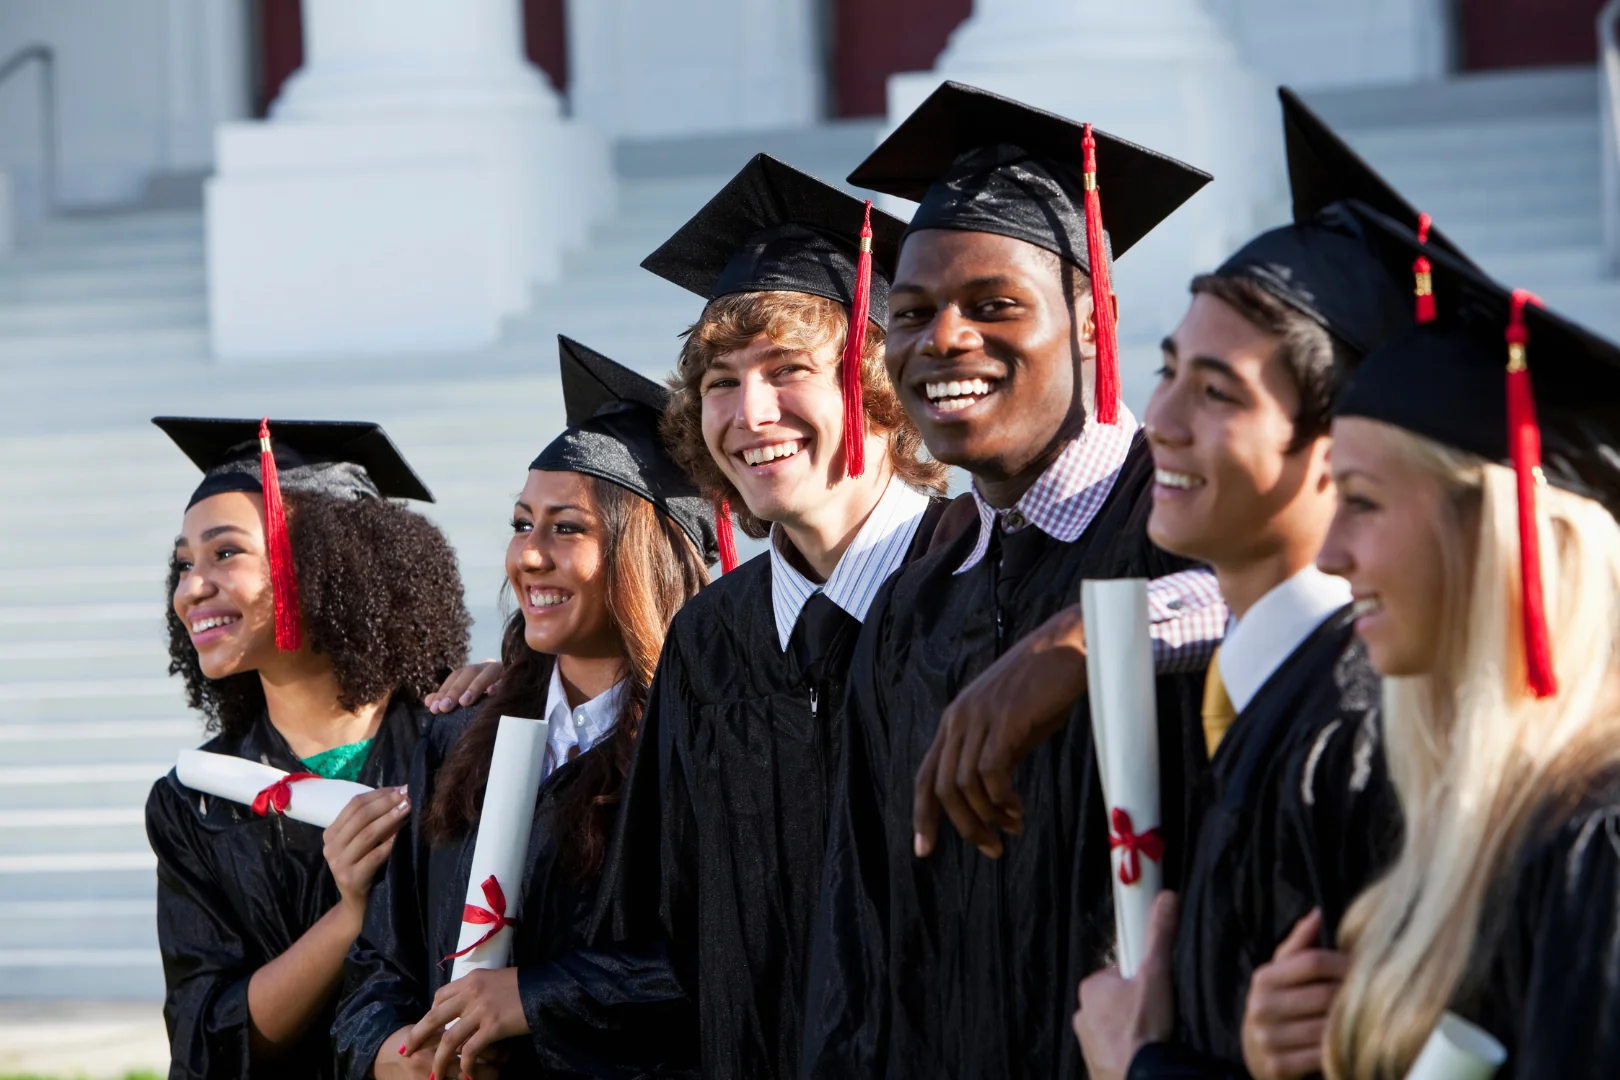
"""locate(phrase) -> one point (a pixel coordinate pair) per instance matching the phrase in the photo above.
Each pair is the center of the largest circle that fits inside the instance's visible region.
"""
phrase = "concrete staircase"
(102, 325)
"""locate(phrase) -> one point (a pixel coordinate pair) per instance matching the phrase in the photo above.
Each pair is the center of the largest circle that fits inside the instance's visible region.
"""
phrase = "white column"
(205, 76)
(1162, 73)
(641, 68)
(414, 182)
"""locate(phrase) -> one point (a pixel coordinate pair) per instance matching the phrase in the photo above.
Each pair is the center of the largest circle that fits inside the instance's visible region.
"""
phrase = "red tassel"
(1524, 444)
(283, 578)
(723, 535)
(1102, 294)
(1423, 275)
(854, 347)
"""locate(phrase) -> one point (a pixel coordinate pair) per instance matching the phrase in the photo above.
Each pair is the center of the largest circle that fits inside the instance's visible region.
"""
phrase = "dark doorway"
(280, 34)
(1527, 33)
(873, 39)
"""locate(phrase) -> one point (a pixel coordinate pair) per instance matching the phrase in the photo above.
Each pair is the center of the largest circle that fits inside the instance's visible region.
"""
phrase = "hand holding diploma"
(1124, 722)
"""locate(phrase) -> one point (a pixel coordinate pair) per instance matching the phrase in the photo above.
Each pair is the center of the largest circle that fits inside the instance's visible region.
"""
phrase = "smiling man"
(722, 832)
(957, 964)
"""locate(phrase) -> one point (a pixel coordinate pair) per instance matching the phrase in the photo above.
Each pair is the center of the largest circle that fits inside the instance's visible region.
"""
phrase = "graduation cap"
(773, 228)
(612, 434)
(980, 162)
(340, 458)
(1464, 380)
(1321, 264)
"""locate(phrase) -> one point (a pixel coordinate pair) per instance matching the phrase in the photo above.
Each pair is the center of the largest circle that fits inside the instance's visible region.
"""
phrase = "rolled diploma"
(1458, 1050)
(1124, 724)
(317, 802)
(502, 846)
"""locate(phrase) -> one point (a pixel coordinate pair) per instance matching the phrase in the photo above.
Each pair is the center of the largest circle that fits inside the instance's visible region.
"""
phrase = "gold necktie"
(1218, 711)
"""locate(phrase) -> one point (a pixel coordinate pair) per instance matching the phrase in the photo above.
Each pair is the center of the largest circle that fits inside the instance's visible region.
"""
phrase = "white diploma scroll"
(1458, 1050)
(316, 801)
(501, 849)
(1124, 725)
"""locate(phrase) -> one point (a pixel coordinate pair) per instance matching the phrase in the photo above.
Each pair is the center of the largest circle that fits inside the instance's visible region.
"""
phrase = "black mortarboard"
(979, 162)
(612, 434)
(773, 228)
(1321, 264)
(344, 459)
(336, 457)
(1498, 375)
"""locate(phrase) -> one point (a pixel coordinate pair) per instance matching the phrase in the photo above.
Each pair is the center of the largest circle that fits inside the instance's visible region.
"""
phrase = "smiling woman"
(307, 614)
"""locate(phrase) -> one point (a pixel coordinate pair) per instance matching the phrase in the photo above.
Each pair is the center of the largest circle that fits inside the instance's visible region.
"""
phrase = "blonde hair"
(1473, 755)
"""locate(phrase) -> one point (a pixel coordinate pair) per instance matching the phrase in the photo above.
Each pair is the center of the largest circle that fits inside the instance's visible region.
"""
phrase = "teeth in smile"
(218, 620)
(1366, 605)
(1176, 480)
(775, 452)
(547, 597)
(956, 394)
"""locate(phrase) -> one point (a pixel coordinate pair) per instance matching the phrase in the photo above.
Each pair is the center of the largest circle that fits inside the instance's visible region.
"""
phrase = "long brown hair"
(651, 570)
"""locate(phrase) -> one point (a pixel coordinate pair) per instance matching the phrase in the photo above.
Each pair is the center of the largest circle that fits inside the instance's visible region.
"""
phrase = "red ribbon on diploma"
(1150, 844)
(279, 794)
(493, 916)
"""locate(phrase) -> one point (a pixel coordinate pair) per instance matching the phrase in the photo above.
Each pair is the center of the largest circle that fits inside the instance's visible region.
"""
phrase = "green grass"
(36, 1076)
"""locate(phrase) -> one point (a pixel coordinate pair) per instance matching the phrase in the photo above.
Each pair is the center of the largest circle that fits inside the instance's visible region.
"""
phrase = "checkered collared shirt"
(1186, 612)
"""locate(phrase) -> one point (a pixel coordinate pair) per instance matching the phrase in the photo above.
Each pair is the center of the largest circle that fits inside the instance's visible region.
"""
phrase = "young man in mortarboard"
(1298, 815)
(782, 412)
(293, 575)
(945, 962)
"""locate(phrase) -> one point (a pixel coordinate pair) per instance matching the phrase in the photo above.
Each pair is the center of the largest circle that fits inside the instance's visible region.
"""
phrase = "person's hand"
(465, 686)
(1289, 998)
(357, 843)
(1118, 1016)
(393, 1065)
(994, 723)
(483, 1008)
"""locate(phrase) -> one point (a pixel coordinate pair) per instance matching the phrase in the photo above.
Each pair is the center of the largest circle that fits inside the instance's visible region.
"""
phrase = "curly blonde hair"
(791, 320)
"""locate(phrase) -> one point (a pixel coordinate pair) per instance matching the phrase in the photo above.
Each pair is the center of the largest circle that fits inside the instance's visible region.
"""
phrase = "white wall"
(140, 85)
(677, 67)
(1320, 43)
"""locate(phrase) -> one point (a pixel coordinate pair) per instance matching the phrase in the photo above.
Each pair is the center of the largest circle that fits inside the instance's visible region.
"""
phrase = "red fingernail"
(430, 1076)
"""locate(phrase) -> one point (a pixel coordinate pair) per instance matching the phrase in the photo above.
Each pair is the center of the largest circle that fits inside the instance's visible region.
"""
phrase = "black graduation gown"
(413, 921)
(236, 890)
(1298, 814)
(1546, 979)
(959, 965)
(723, 827)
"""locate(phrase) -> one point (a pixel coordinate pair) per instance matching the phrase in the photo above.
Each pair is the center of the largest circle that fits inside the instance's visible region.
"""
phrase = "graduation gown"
(1545, 978)
(723, 826)
(1297, 813)
(959, 965)
(236, 890)
(413, 921)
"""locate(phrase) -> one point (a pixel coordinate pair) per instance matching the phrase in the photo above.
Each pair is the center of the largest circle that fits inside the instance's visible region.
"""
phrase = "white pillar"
(414, 181)
(206, 80)
(643, 68)
(1161, 73)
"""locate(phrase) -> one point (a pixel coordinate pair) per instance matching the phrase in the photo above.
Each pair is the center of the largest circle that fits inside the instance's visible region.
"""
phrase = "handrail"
(46, 58)
(1608, 28)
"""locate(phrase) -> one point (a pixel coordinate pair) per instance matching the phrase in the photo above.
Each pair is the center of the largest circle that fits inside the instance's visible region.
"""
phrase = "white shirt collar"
(1269, 632)
(875, 553)
(583, 726)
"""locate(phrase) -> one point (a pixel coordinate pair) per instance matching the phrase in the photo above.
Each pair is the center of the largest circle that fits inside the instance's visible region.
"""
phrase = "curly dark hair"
(651, 569)
(379, 591)
(796, 320)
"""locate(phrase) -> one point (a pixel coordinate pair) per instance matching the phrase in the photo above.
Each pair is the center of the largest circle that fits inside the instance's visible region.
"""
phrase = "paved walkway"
(94, 1040)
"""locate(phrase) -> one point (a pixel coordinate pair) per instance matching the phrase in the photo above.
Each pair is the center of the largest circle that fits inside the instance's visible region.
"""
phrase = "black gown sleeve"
(847, 1000)
(206, 963)
(384, 987)
(1568, 940)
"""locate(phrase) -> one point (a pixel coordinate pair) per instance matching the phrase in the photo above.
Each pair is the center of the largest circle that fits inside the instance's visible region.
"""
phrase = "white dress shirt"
(582, 727)
(1269, 632)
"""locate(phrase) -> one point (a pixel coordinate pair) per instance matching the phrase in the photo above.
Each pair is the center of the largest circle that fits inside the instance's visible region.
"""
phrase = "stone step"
(117, 740)
(79, 786)
(116, 875)
(79, 974)
(85, 924)
(17, 288)
(43, 318)
(72, 831)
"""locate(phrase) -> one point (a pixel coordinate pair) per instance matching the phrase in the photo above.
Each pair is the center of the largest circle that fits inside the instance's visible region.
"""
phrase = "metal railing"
(1608, 28)
(46, 58)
